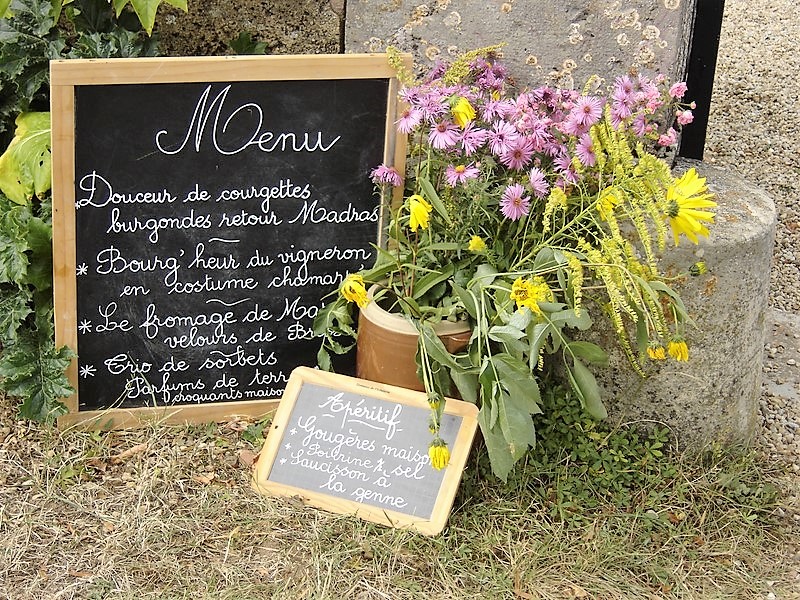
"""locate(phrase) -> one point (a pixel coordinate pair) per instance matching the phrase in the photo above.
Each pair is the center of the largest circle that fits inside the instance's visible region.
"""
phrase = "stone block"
(714, 396)
(546, 42)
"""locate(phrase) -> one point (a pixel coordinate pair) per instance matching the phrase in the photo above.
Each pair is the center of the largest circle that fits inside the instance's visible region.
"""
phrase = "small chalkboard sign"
(203, 209)
(352, 446)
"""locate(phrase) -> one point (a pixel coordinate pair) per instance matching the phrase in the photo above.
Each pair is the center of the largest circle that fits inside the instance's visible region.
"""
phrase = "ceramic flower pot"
(387, 346)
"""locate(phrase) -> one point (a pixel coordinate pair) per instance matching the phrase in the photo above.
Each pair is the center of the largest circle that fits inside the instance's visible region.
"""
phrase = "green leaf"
(435, 348)
(14, 245)
(40, 267)
(516, 425)
(433, 197)
(25, 167)
(146, 10)
(591, 353)
(15, 306)
(466, 383)
(500, 456)
(434, 278)
(585, 385)
(245, 44)
(34, 371)
(324, 360)
(581, 321)
(4, 8)
(484, 275)
(468, 299)
(510, 337)
(516, 377)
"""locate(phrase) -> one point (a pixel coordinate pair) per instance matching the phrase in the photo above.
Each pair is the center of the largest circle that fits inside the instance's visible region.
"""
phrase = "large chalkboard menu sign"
(203, 209)
(357, 447)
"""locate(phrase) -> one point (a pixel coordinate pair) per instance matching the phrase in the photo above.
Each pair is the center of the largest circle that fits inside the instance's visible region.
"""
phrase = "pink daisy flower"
(496, 109)
(573, 126)
(623, 90)
(585, 151)
(539, 183)
(514, 204)
(619, 112)
(501, 137)
(443, 135)
(587, 110)
(432, 106)
(456, 174)
(640, 125)
(519, 154)
(472, 138)
(386, 174)
(409, 120)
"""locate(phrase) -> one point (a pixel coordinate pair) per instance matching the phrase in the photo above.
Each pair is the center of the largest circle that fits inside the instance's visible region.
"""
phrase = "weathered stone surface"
(286, 26)
(713, 397)
(563, 42)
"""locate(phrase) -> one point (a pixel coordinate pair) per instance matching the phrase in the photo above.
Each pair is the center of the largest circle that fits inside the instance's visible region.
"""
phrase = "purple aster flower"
(386, 174)
(496, 109)
(409, 120)
(539, 132)
(456, 174)
(514, 204)
(501, 137)
(539, 183)
(585, 151)
(587, 110)
(443, 135)
(640, 126)
(619, 112)
(472, 138)
(518, 154)
(432, 106)
(572, 125)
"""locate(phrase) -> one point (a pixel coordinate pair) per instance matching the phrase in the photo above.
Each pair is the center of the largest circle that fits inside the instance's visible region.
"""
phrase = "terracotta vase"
(387, 346)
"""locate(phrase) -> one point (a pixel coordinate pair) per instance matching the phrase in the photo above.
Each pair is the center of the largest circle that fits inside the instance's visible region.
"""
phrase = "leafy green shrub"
(33, 32)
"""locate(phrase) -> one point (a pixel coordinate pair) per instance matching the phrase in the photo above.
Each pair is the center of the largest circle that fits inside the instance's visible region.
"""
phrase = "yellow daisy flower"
(476, 244)
(678, 350)
(439, 454)
(463, 112)
(607, 203)
(685, 198)
(529, 292)
(419, 211)
(353, 290)
(656, 352)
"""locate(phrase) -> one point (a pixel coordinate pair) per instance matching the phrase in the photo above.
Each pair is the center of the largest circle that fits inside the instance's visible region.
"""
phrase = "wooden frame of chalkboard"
(164, 169)
(357, 447)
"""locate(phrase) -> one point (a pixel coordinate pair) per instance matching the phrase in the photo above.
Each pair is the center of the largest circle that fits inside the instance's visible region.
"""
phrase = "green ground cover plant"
(33, 32)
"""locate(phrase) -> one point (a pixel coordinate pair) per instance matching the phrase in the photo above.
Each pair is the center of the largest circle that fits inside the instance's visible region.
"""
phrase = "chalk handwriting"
(249, 115)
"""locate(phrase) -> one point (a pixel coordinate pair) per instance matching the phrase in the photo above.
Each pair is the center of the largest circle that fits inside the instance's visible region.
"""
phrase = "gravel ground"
(754, 126)
(753, 130)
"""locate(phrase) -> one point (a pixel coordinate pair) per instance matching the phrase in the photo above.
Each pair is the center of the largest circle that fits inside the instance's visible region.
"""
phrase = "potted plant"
(520, 213)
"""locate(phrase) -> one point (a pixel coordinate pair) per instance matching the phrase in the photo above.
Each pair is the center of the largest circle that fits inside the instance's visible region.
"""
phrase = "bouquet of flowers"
(520, 213)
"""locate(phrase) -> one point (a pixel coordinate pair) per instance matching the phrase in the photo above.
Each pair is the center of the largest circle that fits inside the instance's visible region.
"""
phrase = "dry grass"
(168, 513)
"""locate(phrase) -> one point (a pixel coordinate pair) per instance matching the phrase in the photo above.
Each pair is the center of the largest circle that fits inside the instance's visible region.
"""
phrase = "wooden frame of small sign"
(352, 446)
(67, 77)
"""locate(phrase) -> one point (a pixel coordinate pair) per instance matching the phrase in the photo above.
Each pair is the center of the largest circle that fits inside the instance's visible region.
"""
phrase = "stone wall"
(561, 42)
